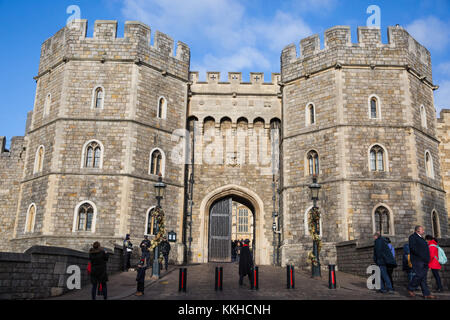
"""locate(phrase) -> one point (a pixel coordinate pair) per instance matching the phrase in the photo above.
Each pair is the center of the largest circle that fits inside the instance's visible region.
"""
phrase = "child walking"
(140, 278)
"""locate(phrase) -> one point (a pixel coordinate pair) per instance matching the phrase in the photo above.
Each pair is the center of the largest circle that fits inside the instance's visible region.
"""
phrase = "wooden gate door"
(220, 231)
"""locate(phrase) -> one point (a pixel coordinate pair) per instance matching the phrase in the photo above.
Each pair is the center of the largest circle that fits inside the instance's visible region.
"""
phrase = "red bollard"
(182, 280)
(256, 278)
(219, 279)
(290, 277)
(332, 276)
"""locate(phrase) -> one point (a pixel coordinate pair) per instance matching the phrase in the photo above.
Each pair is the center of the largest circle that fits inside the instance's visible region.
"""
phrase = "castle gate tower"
(100, 134)
(234, 125)
(361, 117)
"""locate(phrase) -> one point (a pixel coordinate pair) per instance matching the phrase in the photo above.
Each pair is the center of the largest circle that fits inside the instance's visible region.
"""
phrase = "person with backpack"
(434, 264)
(390, 268)
(165, 251)
(140, 278)
(382, 257)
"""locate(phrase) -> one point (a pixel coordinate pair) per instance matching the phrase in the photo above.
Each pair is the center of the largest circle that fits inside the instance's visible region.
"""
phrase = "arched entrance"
(230, 218)
(241, 195)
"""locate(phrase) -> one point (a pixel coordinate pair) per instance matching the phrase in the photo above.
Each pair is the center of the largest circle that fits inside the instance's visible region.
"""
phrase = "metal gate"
(220, 231)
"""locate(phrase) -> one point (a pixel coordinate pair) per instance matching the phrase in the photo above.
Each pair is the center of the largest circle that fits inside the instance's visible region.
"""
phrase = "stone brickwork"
(356, 256)
(340, 81)
(11, 168)
(443, 130)
(252, 141)
(41, 272)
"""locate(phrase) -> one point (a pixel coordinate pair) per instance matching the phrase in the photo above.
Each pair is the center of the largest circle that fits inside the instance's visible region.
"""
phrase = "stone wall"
(443, 132)
(41, 272)
(355, 257)
(11, 167)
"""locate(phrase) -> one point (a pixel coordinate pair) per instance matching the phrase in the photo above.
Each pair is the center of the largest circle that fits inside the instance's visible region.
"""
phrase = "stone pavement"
(272, 284)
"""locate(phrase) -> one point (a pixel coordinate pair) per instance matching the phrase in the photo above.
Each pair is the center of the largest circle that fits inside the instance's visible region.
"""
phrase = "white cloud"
(442, 96)
(245, 58)
(430, 32)
(235, 39)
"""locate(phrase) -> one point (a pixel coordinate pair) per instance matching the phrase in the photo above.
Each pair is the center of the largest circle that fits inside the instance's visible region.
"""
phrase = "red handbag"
(89, 268)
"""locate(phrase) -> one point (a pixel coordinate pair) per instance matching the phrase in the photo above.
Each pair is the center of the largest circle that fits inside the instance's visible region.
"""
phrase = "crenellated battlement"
(401, 50)
(213, 77)
(16, 148)
(72, 42)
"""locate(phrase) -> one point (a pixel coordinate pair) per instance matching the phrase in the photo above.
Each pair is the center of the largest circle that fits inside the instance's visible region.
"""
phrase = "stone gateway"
(113, 114)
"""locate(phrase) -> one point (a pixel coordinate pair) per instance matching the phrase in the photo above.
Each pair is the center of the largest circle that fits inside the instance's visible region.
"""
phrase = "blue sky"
(224, 35)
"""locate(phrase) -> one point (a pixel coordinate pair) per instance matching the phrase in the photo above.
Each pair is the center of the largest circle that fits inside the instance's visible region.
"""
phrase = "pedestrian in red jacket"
(434, 261)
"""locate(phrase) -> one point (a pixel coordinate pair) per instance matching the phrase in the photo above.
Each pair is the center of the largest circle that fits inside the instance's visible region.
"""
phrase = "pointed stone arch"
(262, 245)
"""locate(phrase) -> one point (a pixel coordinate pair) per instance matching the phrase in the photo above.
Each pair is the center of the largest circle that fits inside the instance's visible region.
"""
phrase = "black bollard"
(182, 280)
(221, 278)
(256, 278)
(216, 279)
(290, 274)
(292, 277)
(332, 272)
(288, 277)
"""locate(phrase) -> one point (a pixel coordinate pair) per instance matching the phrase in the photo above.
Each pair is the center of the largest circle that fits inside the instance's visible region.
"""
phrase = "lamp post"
(315, 188)
(160, 188)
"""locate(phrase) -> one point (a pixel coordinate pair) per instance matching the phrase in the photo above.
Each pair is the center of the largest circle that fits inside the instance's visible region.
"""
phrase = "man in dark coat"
(246, 264)
(98, 258)
(420, 258)
(145, 245)
(382, 256)
(165, 251)
(127, 250)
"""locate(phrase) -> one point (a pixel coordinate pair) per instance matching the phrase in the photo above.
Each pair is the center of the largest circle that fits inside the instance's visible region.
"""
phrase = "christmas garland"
(159, 217)
(313, 221)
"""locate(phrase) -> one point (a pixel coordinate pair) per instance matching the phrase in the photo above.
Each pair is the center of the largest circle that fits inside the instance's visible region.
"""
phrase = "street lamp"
(160, 189)
(315, 188)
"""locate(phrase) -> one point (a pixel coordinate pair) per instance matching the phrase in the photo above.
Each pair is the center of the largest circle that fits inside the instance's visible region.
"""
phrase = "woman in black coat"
(98, 258)
(246, 264)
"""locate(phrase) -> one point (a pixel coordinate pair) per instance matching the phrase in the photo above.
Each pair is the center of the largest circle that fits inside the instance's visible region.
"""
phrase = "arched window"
(382, 220)
(157, 162)
(39, 160)
(377, 159)
(373, 108)
(92, 155)
(310, 114)
(435, 224)
(99, 98)
(423, 116)
(150, 226)
(31, 217)
(47, 104)
(85, 217)
(313, 163)
(162, 108)
(429, 168)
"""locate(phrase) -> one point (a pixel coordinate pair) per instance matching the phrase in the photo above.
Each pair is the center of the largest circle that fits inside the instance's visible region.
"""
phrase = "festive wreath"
(313, 223)
(159, 218)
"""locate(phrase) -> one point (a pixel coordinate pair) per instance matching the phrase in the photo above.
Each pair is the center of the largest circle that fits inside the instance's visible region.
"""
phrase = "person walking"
(390, 268)
(382, 257)
(238, 250)
(233, 251)
(407, 265)
(246, 264)
(434, 264)
(127, 250)
(145, 245)
(165, 251)
(140, 278)
(420, 258)
(98, 258)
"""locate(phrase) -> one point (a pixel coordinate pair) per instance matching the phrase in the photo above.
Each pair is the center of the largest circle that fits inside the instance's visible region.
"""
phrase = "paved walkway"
(272, 286)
